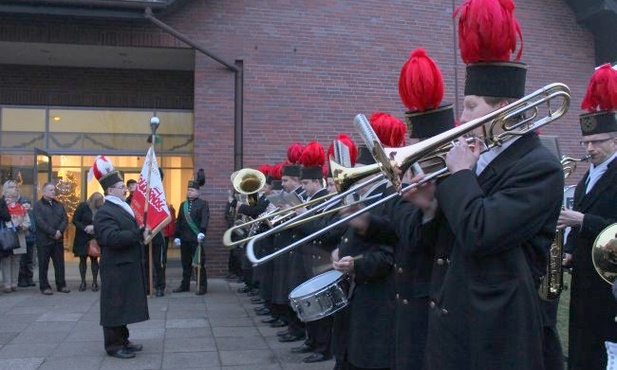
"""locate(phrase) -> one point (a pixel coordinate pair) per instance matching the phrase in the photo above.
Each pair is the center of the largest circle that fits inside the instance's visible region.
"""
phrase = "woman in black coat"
(84, 232)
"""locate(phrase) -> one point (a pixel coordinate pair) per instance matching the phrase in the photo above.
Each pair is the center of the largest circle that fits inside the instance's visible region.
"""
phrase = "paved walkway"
(216, 331)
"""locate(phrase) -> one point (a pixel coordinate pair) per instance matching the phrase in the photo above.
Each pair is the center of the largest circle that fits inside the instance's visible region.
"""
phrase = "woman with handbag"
(84, 239)
(19, 219)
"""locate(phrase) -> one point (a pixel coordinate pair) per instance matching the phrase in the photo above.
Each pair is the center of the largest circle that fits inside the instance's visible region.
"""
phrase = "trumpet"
(511, 119)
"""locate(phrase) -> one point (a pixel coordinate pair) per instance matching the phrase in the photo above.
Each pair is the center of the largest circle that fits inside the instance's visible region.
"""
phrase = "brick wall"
(311, 66)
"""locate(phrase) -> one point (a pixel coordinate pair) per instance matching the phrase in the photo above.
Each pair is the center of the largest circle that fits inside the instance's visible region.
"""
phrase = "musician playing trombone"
(501, 208)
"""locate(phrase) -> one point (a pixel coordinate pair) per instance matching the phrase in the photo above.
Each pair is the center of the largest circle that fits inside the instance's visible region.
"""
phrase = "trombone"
(511, 119)
(604, 254)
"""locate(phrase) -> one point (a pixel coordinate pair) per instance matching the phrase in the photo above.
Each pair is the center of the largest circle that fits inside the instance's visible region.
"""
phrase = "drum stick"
(327, 267)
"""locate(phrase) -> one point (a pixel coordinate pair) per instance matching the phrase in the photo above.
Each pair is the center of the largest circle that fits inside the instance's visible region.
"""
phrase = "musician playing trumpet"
(592, 308)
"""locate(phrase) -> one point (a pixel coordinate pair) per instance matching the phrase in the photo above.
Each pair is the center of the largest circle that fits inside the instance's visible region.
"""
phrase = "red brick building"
(303, 70)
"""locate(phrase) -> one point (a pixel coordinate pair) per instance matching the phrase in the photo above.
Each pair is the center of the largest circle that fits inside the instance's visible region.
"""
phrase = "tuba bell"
(604, 254)
(249, 182)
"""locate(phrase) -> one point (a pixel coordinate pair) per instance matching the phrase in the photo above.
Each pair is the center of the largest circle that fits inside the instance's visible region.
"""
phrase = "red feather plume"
(312, 155)
(389, 129)
(294, 152)
(601, 92)
(346, 140)
(265, 169)
(277, 171)
(488, 31)
(420, 84)
(325, 171)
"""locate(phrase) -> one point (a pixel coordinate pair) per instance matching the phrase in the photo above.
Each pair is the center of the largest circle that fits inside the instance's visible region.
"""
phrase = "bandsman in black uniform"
(283, 276)
(421, 90)
(192, 223)
(592, 308)
(363, 332)
(501, 209)
(314, 254)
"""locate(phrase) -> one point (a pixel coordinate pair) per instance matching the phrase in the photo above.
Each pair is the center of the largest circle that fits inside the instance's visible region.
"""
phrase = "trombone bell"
(345, 177)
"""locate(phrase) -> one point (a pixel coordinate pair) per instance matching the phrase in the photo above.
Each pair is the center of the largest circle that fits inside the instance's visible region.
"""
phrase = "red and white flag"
(158, 211)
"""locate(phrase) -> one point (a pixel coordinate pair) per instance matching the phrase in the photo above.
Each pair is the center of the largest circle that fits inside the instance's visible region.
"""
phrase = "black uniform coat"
(282, 282)
(123, 281)
(486, 315)
(82, 218)
(370, 315)
(592, 307)
(412, 274)
(200, 213)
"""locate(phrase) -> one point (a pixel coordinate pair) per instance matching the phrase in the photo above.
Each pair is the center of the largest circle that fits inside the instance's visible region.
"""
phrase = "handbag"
(93, 249)
(9, 239)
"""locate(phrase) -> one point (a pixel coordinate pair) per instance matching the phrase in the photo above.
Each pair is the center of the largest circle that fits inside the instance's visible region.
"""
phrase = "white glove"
(201, 236)
(177, 242)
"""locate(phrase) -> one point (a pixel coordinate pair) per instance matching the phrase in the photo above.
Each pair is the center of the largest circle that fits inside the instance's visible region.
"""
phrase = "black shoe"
(159, 293)
(181, 289)
(316, 357)
(304, 348)
(95, 287)
(291, 338)
(257, 300)
(31, 283)
(268, 320)
(253, 293)
(263, 312)
(260, 308)
(244, 289)
(201, 291)
(121, 353)
(282, 333)
(82, 286)
(133, 347)
(278, 324)
(64, 290)
(23, 284)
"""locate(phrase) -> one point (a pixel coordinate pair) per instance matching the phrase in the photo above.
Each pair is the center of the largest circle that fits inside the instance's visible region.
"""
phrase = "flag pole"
(154, 125)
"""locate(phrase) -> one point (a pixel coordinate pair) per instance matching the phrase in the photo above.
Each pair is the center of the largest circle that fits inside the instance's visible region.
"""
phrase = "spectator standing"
(51, 221)
(26, 261)
(18, 217)
(84, 232)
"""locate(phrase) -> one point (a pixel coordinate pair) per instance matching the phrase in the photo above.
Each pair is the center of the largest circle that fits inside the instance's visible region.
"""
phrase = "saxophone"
(552, 283)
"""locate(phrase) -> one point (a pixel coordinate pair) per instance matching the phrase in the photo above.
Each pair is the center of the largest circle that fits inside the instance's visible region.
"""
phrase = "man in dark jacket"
(51, 220)
(123, 281)
(192, 224)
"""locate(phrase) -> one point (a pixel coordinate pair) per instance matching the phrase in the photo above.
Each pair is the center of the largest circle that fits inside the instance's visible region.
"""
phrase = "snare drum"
(320, 296)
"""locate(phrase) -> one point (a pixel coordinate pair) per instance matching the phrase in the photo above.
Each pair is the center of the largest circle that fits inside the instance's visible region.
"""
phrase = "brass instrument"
(265, 218)
(552, 283)
(510, 118)
(604, 254)
(249, 182)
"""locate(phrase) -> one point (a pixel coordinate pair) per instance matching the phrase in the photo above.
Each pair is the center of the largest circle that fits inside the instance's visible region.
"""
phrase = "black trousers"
(187, 251)
(116, 337)
(319, 335)
(159, 259)
(55, 252)
(26, 264)
(553, 353)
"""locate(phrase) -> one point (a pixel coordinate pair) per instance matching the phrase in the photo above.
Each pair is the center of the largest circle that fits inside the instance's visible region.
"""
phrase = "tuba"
(552, 283)
(248, 182)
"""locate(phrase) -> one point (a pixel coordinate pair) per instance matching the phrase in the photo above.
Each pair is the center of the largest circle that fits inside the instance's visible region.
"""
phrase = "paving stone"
(197, 360)
(31, 363)
(74, 363)
(248, 357)
(190, 345)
